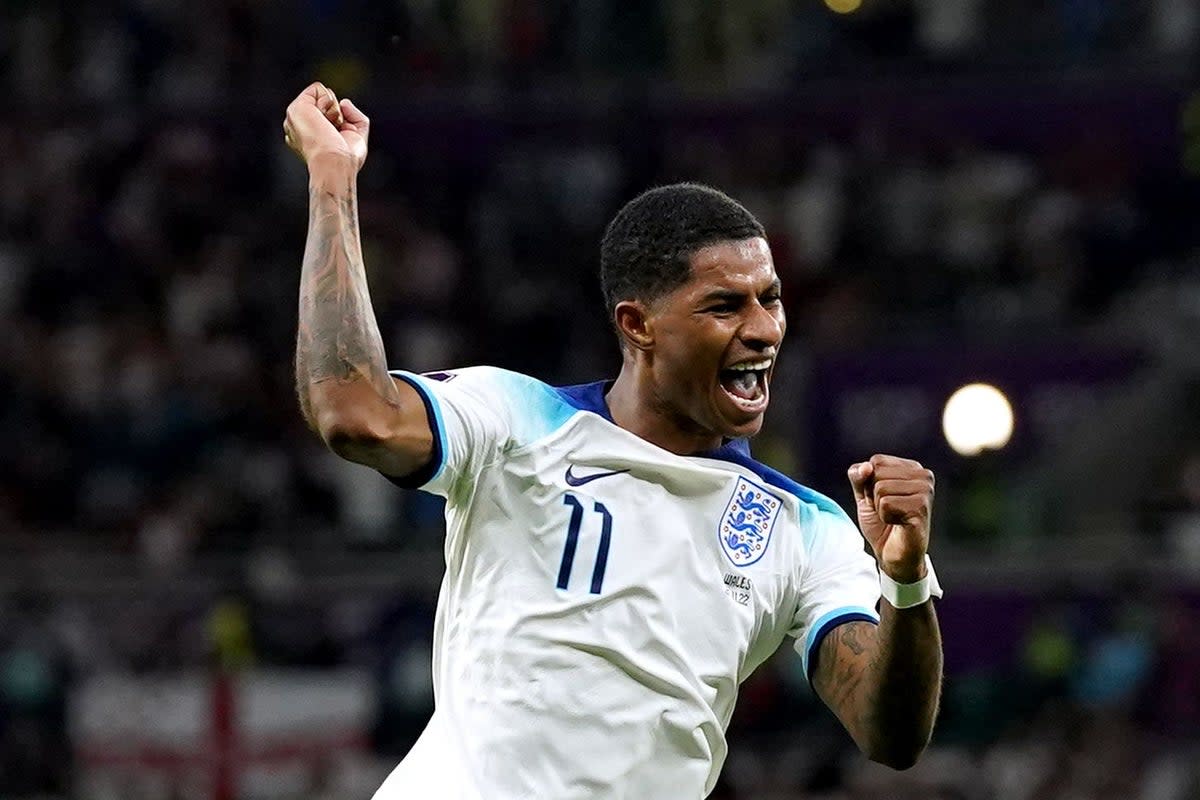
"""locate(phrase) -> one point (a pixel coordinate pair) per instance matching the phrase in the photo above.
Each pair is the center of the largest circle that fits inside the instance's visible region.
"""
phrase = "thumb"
(328, 103)
(860, 476)
(351, 112)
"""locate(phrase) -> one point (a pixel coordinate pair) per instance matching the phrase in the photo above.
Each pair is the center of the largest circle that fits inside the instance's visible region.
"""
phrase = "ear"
(632, 319)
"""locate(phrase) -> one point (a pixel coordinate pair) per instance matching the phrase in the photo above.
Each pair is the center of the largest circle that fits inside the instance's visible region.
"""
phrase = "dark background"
(954, 191)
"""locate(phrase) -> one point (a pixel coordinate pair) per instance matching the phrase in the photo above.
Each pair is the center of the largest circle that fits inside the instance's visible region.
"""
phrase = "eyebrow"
(734, 294)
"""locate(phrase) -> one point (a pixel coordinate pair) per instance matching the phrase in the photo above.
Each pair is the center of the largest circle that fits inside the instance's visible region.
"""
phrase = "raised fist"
(894, 500)
(318, 126)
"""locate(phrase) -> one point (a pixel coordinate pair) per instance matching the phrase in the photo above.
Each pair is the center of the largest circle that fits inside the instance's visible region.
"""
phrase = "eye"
(726, 306)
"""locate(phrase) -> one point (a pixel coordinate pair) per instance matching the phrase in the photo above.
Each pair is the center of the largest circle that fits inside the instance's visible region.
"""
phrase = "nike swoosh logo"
(580, 480)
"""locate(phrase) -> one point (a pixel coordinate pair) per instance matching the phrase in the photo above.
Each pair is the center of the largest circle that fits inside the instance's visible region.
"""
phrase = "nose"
(763, 328)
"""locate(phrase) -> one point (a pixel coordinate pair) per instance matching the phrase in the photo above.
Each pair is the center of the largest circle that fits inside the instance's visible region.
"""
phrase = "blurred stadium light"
(977, 417)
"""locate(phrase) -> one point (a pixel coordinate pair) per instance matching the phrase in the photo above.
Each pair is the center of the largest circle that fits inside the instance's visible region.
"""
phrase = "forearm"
(340, 358)
(903, 683)
(884, 681)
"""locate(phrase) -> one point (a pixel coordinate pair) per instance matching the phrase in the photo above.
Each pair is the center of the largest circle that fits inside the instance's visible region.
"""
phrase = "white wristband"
(907, 595)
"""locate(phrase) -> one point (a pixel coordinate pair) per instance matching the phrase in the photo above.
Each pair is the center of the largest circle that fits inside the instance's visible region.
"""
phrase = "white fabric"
(907, 595)
(547, 692)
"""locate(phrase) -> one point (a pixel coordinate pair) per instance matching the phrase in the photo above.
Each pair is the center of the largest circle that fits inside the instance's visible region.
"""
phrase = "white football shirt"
(604, 598)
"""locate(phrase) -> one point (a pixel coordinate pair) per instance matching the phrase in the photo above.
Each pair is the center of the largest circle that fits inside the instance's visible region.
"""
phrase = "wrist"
(904, 571)
(332, 170)
(910, 593)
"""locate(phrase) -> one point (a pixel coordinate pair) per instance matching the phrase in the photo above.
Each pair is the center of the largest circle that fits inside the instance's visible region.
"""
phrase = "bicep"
(841, 672)
(394, 436)
(413, 442)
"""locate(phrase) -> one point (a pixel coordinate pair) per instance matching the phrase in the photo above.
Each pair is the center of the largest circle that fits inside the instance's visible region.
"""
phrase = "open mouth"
(746, 384)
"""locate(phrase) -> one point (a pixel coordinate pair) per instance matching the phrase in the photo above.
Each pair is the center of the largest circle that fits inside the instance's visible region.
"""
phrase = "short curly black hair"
(647, 248)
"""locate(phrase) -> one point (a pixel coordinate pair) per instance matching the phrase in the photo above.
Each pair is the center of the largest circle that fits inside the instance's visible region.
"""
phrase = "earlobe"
(634, 324)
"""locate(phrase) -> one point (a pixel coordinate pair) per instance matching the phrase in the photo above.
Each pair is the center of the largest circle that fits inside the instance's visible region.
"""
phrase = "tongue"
(743, 385)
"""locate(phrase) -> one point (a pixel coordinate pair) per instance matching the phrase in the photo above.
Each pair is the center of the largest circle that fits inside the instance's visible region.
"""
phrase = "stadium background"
(196, 601)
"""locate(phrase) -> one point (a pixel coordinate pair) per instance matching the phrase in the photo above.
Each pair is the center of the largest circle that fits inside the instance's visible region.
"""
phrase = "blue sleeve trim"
(824, 625)
(433, 413)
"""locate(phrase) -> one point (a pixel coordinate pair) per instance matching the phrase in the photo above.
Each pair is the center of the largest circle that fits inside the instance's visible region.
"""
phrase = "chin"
(741, 426)
(738, 419)
(745, 430)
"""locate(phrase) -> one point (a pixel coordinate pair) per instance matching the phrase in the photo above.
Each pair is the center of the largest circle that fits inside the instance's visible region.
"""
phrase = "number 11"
(568, 559)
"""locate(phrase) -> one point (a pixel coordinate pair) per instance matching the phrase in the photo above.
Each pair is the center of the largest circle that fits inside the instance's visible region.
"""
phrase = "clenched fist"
(317, 127)
(894, 499)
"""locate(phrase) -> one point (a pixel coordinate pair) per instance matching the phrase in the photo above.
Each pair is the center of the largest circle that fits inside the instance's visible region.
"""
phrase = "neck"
(636, 406)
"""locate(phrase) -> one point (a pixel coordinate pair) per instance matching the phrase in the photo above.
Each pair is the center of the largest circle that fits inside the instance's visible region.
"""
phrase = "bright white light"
(978, 417)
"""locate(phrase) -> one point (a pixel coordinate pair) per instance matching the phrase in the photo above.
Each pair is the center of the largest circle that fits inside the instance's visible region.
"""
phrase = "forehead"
(743, 265)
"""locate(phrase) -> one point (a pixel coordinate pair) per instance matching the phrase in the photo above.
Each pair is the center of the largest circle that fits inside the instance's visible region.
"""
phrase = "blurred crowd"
(176, 52)
(151, 231)
(151, 261)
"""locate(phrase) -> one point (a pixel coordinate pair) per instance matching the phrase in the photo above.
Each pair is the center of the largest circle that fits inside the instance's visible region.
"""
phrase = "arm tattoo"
(850, 639)
(338, 338)
(884, 681)
(843, 665)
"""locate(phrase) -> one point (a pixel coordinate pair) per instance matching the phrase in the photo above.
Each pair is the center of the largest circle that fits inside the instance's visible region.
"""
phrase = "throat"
(637, 407)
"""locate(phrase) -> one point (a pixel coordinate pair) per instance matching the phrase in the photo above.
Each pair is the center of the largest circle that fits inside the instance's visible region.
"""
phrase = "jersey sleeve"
(839, 583)
(477, 415)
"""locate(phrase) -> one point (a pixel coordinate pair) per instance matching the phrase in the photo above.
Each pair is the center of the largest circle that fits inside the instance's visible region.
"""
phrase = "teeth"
(752, 366)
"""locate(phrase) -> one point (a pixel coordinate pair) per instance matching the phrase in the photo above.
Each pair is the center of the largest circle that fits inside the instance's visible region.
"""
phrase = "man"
(616, 562)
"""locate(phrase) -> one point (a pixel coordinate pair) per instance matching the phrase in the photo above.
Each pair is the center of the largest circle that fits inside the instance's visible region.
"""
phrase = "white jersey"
(604, 598)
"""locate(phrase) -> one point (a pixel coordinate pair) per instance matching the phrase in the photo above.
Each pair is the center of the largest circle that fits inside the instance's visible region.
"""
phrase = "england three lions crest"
(745, 529)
